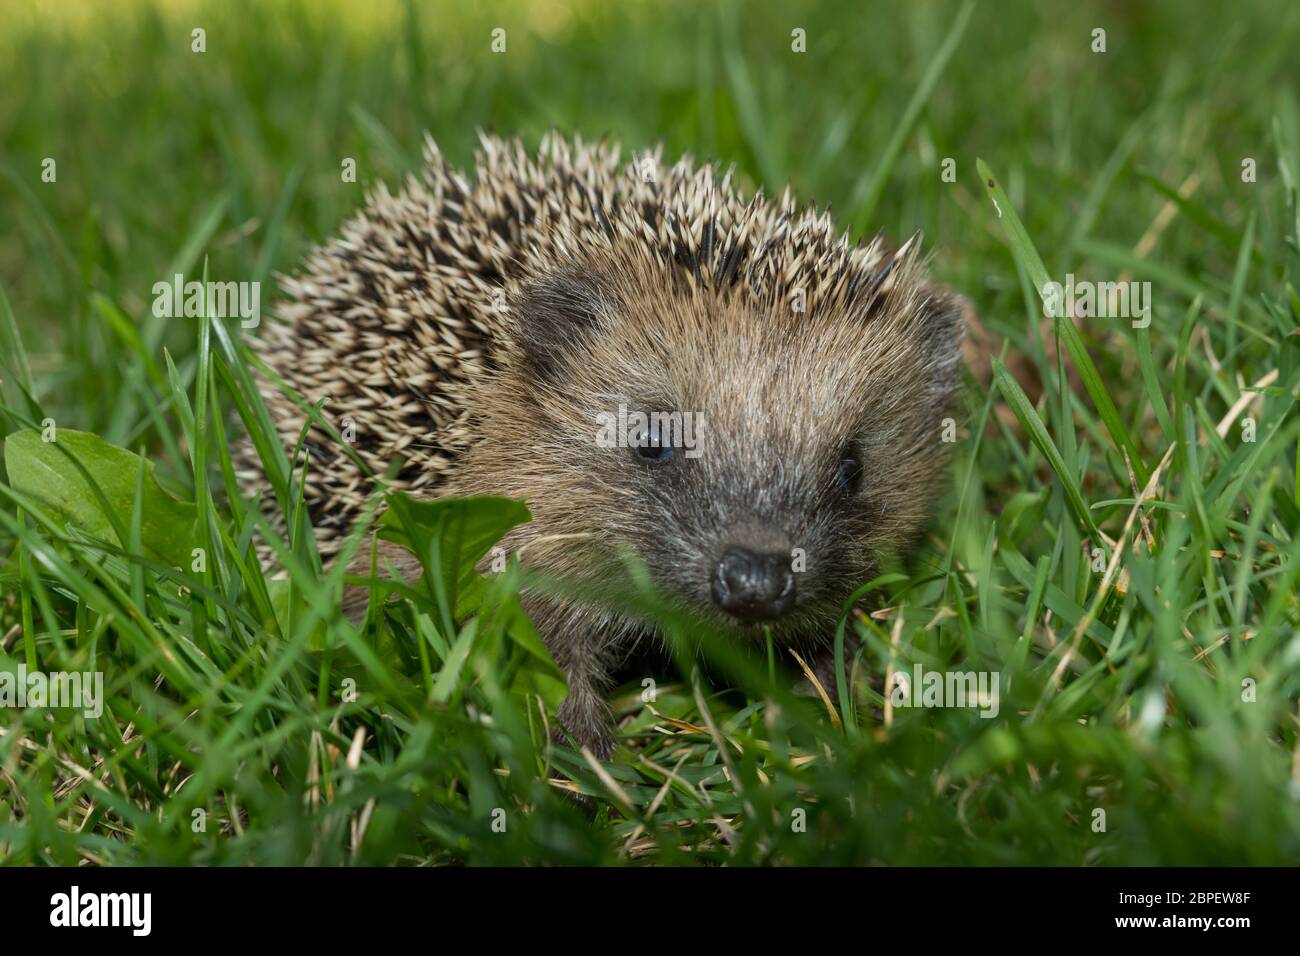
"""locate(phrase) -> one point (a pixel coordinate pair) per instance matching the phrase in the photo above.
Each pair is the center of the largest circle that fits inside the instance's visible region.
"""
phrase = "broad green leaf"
(99, 495)
(451, 535)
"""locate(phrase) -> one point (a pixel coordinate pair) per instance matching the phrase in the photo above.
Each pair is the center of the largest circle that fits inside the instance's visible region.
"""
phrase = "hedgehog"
(777, 390)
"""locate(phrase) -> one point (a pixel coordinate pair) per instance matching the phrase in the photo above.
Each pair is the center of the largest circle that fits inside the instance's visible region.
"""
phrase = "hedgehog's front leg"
(578, 644)
(585, 716)
(582, 650)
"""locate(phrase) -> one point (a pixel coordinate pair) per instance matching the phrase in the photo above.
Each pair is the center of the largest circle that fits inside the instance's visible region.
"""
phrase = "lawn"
(1119, 543)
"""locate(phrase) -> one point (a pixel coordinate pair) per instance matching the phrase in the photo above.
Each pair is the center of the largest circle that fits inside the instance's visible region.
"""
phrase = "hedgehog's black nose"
(753, 586)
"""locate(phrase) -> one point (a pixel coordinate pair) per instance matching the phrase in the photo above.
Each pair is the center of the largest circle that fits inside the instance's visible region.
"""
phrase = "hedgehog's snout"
(753, 586)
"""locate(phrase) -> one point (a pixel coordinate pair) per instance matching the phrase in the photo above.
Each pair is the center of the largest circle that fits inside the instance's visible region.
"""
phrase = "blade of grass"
(1023, 249)
(866, 193)
(1037, 432)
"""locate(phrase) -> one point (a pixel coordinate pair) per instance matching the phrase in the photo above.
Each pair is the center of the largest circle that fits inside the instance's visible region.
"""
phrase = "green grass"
(250, 705)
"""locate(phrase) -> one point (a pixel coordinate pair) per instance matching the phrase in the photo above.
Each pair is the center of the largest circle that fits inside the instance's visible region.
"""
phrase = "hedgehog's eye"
(649, 448)
(654, 452)
(848, 474)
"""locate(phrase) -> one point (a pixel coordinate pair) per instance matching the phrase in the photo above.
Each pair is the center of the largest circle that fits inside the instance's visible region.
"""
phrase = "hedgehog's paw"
(586, 721)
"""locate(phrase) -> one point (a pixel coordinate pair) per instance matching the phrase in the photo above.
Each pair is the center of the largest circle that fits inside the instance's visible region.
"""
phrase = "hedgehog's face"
(758, 462)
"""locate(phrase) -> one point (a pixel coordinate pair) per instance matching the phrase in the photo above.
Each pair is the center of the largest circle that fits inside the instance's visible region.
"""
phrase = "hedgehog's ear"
(946, 316)
(555, 315)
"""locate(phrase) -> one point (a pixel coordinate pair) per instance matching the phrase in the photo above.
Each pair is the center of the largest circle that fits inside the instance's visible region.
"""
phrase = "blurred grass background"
(1123, 163)
(149, 136)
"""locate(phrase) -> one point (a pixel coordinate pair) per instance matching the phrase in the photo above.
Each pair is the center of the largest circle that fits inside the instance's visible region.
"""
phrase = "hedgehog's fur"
(474, 330)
